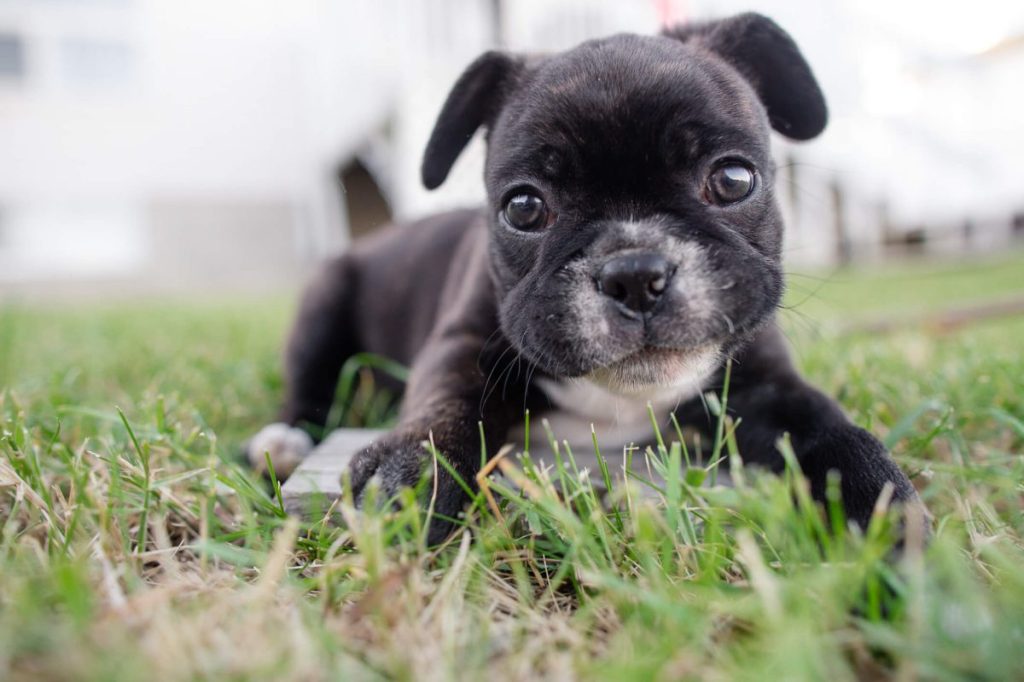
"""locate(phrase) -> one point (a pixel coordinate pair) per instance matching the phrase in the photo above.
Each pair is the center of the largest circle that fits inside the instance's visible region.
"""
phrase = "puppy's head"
(635, 236)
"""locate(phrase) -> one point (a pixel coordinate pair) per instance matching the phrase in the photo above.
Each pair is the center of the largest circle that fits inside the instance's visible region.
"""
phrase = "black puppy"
(630, 245)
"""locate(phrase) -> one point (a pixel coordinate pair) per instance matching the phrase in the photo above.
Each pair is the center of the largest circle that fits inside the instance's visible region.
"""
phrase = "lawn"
(133, 544)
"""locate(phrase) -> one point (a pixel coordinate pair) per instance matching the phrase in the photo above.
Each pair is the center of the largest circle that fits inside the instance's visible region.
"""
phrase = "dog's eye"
(526, 212)
(730, 183)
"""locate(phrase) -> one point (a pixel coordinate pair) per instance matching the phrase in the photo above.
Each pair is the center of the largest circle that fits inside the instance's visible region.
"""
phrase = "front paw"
(865, 470)
(400, 460)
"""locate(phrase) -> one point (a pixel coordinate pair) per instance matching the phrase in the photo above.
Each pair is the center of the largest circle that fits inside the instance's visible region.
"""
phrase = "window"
(12, 56)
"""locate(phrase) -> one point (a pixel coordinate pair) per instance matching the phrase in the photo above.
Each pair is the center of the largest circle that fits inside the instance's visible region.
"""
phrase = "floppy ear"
(475, 100)
(769, 59)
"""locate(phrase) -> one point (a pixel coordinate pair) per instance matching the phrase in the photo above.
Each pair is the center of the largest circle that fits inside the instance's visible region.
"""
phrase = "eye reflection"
(526, 211)
(730, 183)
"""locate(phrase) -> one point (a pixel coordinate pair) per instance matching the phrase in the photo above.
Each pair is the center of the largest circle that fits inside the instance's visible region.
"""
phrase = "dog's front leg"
(444, 402)
(772, 401)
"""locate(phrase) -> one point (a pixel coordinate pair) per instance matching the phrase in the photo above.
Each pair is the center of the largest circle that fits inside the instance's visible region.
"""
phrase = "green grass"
(136, 547)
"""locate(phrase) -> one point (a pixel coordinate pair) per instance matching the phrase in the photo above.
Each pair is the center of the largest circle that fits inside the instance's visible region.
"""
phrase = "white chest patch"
(618, 418)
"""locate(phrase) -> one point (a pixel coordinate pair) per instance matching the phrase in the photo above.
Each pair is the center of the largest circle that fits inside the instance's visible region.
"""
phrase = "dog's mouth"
(653, 367)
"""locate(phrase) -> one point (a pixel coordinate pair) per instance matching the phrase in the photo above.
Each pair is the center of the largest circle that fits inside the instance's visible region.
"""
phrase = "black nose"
(636, 281)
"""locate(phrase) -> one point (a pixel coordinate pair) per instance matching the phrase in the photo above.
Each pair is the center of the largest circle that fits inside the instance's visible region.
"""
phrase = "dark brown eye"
(526, 212)
(730, 183)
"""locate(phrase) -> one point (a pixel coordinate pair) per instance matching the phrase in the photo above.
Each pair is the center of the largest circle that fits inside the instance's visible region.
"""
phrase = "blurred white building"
(150, 145)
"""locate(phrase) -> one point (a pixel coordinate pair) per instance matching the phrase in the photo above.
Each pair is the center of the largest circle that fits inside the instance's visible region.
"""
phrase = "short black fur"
(618, 138)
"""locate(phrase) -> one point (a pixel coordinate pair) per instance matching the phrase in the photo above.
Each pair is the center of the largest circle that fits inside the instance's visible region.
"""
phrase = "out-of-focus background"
(169, 146)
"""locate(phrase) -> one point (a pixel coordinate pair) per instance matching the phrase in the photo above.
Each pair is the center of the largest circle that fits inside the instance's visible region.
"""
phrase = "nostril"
(617, 290)
(612, 286)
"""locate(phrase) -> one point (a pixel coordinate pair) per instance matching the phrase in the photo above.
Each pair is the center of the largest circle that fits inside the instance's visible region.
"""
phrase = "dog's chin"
(653, 369)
